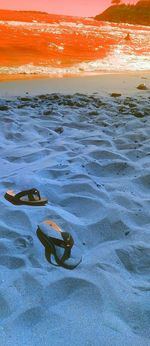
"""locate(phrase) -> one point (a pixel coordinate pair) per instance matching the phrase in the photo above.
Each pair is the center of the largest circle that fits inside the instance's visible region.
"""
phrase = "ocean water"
(72, 45)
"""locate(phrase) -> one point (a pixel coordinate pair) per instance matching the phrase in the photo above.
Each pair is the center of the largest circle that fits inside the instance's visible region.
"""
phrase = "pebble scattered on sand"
(142, 87)
(59, 130)
(115, 94)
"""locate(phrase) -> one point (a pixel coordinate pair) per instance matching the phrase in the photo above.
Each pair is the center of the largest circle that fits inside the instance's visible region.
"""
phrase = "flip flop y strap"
(33, 195)
(68, 244)
(50, 243)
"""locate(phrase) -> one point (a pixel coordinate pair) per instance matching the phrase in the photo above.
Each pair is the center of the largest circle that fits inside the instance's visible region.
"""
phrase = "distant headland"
(132, 14)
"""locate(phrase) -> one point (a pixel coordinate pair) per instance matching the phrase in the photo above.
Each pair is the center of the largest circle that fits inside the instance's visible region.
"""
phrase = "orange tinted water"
(53, 41)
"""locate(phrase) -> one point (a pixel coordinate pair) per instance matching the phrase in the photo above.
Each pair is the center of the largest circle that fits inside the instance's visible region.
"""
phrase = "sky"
(69, 7)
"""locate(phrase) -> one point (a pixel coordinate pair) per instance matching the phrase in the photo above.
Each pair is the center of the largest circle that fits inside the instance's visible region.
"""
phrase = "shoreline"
(103, 84)
(32, 76)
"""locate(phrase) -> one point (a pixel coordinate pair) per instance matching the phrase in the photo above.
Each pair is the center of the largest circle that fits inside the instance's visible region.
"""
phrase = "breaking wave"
(80, 46)
(115, 62)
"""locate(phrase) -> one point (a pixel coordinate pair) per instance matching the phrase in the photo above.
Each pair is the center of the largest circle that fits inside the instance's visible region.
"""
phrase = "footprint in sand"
(12, 262)
(65, 292)
(135, 258)
(23, 243)
(4, 308)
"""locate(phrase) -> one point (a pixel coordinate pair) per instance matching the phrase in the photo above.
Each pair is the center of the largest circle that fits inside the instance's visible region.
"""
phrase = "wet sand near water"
(103, 84)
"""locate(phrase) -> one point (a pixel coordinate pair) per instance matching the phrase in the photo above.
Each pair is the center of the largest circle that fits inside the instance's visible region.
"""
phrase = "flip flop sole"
(14, 201)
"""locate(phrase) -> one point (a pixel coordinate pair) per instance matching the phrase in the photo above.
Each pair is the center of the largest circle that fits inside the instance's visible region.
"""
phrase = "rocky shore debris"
(59, 130)
(115, 94)
(142, 87)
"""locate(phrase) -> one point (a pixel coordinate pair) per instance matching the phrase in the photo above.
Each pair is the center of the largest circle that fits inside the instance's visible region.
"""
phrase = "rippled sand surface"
(90, 156)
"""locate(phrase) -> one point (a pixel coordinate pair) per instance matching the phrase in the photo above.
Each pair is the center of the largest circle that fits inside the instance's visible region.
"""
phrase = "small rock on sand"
(49, 112)
(4, 108)
(115, 94)
(25, 99)
(142, 87)
(59, 130)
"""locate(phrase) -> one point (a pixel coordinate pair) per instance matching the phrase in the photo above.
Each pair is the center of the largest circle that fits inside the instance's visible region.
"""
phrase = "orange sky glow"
(68, 7)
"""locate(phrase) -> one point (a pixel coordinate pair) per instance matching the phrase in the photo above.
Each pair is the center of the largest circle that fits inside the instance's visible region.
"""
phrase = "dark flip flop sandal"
(59, 251)
(27, 197)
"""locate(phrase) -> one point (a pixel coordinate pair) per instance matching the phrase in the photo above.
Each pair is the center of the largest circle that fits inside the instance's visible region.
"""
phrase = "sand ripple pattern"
(91, 157)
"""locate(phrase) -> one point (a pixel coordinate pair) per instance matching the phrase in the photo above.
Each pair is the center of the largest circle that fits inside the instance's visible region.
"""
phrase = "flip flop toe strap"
(31, 194)
(67, 244)
(66, 254)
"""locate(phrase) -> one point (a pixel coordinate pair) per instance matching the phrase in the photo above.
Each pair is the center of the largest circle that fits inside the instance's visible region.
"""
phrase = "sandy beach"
(103, 84)
(89, 154)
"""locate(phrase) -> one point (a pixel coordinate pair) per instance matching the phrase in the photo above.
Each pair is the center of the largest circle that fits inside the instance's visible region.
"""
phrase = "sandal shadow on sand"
(28, 197)
(60, 250)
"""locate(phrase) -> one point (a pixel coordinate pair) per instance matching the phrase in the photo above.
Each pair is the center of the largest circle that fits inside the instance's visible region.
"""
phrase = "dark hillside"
(132, 14)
